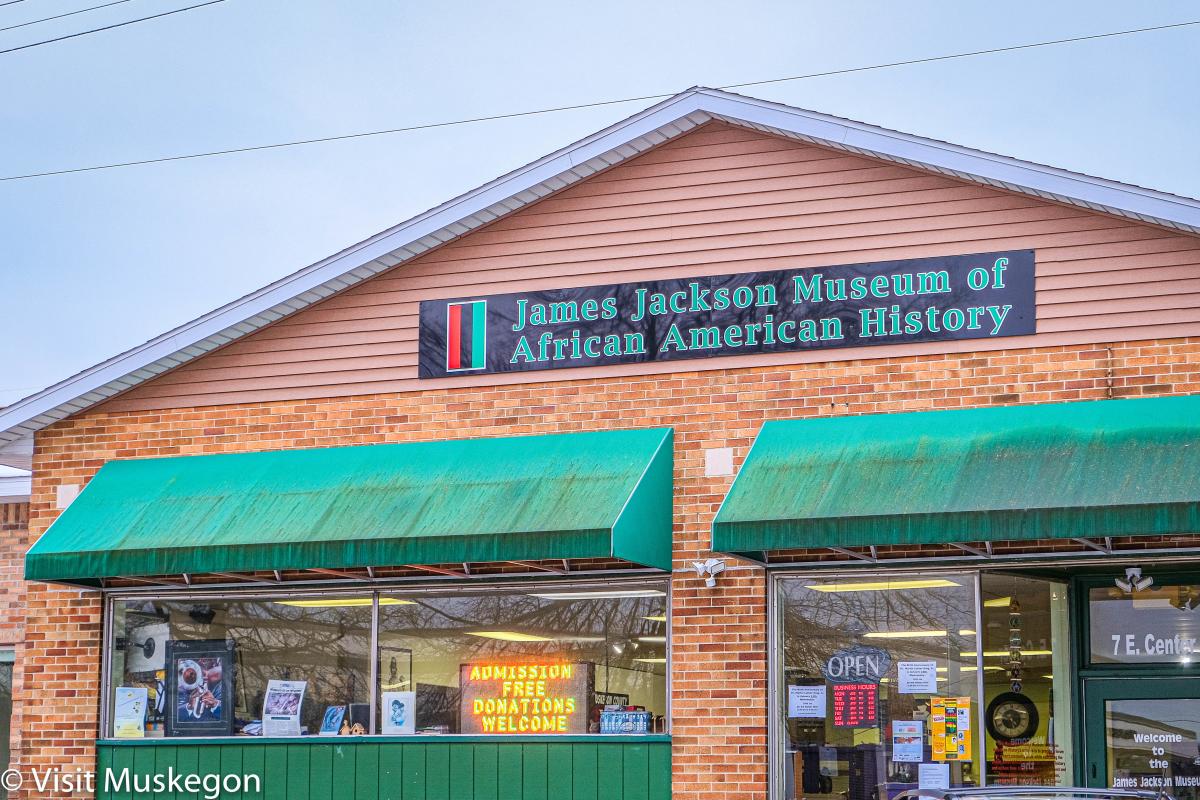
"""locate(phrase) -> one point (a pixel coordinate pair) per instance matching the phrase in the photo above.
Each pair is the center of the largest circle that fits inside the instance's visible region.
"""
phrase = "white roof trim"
(626, 139)
(15, 488)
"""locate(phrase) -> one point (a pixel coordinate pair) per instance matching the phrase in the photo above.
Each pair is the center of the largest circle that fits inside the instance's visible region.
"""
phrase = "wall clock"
(1011, 716)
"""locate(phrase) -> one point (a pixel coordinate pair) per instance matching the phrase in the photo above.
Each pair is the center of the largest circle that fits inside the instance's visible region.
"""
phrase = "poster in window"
(199, 684)
(399, 713)
(281, 708)
(950, 728)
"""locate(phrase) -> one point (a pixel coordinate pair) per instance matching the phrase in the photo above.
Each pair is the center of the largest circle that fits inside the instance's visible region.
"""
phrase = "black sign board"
(855, 705)
(981, 296)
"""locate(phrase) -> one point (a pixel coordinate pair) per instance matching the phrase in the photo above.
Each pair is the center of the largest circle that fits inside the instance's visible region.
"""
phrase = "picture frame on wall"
(199, 688)
(395, 669)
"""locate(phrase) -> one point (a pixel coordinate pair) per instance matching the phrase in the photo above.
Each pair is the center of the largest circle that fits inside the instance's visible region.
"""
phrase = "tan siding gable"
(719, 200)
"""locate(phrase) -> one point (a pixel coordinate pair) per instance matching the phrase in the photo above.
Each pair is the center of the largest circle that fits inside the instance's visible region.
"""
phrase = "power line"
(60, 16)
(11, 3)
(970, 53)
(109, 27)
(597, 104)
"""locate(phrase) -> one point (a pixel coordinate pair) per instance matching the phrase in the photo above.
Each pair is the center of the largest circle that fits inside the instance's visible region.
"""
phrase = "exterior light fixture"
(1133, 581)
(709, 570)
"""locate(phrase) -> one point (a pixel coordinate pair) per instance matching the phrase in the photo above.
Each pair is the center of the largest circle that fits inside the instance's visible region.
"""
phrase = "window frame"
(776, 735)
(375, 591)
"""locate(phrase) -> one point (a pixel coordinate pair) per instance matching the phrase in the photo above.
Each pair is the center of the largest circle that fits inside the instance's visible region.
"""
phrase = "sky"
(98, 262)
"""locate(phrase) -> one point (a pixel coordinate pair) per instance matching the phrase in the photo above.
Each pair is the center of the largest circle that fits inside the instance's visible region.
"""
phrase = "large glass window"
(878, 685)
(6, 676)
(212, 667)
(567, 659)
(1144, 624)
(532, 661)
(1026, 681)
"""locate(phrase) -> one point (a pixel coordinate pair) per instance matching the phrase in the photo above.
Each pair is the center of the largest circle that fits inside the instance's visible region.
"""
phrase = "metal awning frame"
(971, 553)
(318, 578)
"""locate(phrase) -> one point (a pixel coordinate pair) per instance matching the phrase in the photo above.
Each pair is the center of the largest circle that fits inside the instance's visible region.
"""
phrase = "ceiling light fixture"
(651, 660)
(904, 634)
(652, 639)
(882, 586)
(1006, 654)
(344, 602)
(599, 594)
(508, 636)
(998, 602)
(657, 618)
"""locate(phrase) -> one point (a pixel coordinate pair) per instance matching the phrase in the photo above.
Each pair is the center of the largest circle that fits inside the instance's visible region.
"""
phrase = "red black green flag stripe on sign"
(466, 335)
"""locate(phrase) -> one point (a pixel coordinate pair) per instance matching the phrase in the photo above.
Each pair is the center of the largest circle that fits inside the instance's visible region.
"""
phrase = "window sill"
(448, 738)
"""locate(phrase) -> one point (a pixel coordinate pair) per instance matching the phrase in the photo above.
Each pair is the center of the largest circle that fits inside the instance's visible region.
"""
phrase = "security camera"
(709, 570)
(1133, 581)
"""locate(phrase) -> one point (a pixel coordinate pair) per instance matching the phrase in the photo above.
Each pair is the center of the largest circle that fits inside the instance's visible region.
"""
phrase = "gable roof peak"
(665, 120)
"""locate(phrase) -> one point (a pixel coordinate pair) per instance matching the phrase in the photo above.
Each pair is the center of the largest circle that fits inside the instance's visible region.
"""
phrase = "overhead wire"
(577, 106)
(60, 16)
(109, 27)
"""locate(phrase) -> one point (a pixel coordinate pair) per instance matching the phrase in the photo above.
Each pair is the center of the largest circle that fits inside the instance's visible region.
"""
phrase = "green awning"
(565, 496)
(1094, 469)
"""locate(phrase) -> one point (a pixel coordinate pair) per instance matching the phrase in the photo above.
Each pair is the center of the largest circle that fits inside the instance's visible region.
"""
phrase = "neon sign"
(525, 698)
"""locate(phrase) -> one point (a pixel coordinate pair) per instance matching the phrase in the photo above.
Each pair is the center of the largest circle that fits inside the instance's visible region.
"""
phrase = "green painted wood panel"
(343, 771)
(437, 771)
(486, 778)
(534, 772)
(419, 768)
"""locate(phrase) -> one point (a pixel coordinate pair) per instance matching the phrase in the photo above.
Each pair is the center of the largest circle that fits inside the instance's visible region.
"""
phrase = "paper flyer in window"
(917, 677)
(399, 713)
(806, 702)
(933, 777)
(908, 741)
(950, 726)
(129, 712)
(281, 708)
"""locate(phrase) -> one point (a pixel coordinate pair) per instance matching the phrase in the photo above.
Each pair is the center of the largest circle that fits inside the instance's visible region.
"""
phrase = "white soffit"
(15, 488)
(626, 139)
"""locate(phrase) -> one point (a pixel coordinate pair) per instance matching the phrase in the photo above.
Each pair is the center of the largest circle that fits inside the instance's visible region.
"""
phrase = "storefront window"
(1152, 624)
(1154, 745)
(878, 685)
(527, 662)
(564, 660)
(228, 667)
(1026, 681)
(6, 707)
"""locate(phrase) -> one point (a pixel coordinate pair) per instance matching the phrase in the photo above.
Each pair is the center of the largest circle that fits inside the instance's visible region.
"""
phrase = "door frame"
(1099, 690)
(1089, 679)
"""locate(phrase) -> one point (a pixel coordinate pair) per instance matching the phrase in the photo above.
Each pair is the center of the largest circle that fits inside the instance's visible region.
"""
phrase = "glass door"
(1144, 733)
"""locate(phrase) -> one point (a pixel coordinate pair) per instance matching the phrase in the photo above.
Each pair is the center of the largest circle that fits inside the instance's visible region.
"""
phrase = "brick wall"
(719, 669)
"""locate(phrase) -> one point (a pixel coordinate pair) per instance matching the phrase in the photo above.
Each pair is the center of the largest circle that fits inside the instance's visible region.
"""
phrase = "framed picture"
(199, 688)
(399, 713)
(395, 669)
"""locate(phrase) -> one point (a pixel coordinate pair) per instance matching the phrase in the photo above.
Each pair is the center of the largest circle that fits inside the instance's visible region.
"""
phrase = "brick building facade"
(1117, 319)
